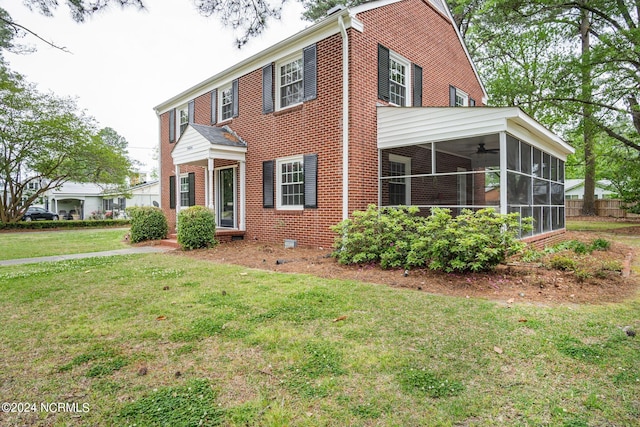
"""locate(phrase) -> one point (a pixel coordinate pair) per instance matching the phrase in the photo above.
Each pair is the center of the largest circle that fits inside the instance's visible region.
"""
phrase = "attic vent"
(334, 9)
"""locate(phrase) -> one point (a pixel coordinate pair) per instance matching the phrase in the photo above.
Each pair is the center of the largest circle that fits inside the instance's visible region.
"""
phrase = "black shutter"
(192, 111)
(310, 75)
(267, 183)
(172, 125)
(472, 102)
(172, 192)
(234, 90)
(214, 106)
(192, 188)
(383, 73)
(417, 86)
(452, 96)
(267, 89)
(310, 166)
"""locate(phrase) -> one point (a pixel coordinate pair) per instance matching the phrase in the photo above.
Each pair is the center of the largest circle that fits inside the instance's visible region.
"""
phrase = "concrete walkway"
(127, 251)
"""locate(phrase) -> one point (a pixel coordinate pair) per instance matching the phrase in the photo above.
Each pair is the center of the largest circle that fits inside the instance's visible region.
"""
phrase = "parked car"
(35, 213)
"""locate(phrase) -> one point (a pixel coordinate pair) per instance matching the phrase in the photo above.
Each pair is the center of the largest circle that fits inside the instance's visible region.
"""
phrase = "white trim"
(462, 94)
(219, 198)
(179, 110)
(221, 89)
(242, 223)
(279, 162)
(345, 120)
(408, 84)
(279, 64)
(399, 127)
(406, 161)
(503, 173)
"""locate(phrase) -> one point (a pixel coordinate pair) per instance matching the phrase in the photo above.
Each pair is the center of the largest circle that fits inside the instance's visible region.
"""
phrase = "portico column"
(210, 190)
(177, 171)
(243, 196)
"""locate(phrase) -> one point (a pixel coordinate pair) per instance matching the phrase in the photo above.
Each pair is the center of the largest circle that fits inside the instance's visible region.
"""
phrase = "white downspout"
(345, 119)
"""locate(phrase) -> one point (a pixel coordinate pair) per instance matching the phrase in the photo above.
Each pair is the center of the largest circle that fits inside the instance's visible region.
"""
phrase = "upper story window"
(183, 119)
(459, 98)
(398, 80)
(462, 99)
(226, 103)
(290, 80)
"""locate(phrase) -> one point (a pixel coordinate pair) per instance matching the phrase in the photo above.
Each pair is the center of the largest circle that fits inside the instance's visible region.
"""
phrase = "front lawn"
(14, 245)
(172, 340)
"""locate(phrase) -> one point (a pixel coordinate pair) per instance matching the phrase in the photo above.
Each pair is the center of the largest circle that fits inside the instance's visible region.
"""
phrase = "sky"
(124, 62)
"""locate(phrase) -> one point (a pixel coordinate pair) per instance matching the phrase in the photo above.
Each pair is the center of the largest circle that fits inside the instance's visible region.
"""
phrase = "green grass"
(47, 243)
(574, 225)
(231, 346)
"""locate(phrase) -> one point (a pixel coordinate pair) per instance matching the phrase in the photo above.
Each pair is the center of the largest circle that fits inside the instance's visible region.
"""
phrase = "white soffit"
(399, 127)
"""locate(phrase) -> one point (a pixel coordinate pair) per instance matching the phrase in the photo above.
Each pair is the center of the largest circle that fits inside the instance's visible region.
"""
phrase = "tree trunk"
(588, 128)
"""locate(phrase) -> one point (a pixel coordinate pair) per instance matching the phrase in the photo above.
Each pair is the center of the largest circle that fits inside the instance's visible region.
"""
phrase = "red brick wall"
(425, 37)
(418, 33)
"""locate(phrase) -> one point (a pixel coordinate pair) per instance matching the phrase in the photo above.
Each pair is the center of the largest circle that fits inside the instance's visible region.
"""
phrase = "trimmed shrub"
(147, 223)
(196, 228)
(399, 237)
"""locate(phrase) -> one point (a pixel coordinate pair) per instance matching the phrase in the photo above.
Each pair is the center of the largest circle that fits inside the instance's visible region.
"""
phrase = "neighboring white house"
(145, 194)
(74, 200)
(82, 201)
(574, 189)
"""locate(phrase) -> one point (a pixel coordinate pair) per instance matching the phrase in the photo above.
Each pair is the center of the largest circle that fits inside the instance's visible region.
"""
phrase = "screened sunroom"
(473, 158)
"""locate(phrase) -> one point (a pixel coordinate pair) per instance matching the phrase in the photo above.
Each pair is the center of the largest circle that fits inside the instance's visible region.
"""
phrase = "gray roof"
(219, 136)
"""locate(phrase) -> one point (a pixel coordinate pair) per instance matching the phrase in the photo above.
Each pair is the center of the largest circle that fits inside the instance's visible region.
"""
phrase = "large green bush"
(399, 237)
(377, 235)
(147, 223)
(196, 228)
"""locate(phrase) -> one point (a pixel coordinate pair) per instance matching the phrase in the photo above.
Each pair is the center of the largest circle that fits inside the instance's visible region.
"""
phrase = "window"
(290, 183)
(107, 205)
(184, 190)
(459, 98)
(290, 82)
(399, 188)
(183, 119)
(226, 103)
(462, 99)
(398, 80)
(32, 185)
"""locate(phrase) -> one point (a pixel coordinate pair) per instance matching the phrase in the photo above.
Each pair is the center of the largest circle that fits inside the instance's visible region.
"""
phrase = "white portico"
(222, 154)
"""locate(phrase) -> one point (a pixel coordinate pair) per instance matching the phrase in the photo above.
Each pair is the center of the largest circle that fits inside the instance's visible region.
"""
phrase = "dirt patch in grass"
(591, 279)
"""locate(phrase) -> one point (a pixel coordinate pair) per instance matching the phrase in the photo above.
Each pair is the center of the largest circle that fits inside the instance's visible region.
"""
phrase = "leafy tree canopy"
(44, 139)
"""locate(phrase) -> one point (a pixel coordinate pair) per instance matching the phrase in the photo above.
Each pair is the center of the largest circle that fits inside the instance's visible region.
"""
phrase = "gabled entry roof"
(219, 136)
(198, 143)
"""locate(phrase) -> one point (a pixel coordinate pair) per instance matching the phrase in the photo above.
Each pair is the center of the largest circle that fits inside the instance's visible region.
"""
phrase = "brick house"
(378, 103)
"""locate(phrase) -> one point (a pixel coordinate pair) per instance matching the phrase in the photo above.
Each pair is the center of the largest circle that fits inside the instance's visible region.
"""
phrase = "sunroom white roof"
(399, 127)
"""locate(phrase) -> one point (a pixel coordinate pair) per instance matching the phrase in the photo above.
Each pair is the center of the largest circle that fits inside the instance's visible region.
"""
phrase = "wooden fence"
(604, 207)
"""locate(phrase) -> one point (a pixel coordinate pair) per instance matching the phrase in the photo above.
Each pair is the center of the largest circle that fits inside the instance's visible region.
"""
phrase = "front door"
(226, 197)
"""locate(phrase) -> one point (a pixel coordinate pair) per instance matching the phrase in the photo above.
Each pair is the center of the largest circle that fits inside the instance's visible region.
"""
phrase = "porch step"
(170, 242)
